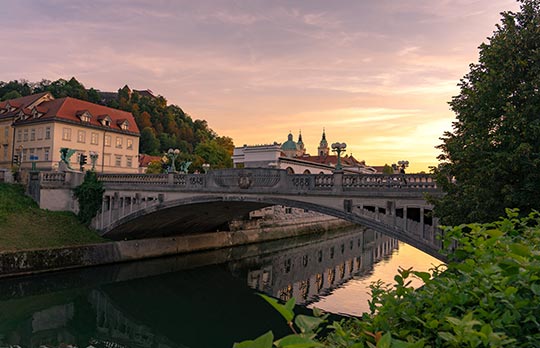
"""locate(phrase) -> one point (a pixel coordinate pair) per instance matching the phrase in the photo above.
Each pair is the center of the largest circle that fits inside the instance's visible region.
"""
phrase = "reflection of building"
(308, 271)
(292, 156)
(35, 128)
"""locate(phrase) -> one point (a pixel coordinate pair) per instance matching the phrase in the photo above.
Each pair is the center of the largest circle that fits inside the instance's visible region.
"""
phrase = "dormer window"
(123, 124)
(105, 120)
(84, 116)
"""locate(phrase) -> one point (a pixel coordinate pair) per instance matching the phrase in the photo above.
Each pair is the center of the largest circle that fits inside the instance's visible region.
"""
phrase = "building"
(34, 128)
(292, 156)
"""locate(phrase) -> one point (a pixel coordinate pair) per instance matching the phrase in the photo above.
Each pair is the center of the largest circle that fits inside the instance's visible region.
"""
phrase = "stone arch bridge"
(152, 205)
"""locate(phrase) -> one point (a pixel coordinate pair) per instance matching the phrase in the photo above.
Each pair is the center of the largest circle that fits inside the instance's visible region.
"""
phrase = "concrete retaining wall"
(45, 260)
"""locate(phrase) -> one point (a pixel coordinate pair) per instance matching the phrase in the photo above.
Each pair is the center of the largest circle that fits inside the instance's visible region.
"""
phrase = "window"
(81, 136)
(118, 160)
(25, 135)
(94, 139)
(25, 152)
(46, 152)
(66, 134)
(129, 144)
(107, 140)
(5, 152)
(40, 133)
(6, 133)
(19, 135)
(129, 161)
(119, 142)
(47, 132)
(32, 134)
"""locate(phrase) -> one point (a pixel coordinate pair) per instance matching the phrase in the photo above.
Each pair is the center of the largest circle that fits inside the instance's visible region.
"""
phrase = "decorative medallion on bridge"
(244, 181)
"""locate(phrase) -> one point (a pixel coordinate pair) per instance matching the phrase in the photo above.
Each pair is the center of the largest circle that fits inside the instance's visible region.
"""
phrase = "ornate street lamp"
(205, 167)
(403, 164)
(93, 159)
(172, 154)
(339, 148)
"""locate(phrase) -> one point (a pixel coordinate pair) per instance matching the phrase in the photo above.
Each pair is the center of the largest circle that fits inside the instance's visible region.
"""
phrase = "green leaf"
(296, 341)
(520, 249)
(510, 291)
(264, 341)
(535, 288)
(307, 323)
(385, 341)
(285, 310)
(425, 276)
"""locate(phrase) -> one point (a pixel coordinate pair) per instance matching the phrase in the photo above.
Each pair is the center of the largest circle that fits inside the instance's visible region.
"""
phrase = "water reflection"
(197, 300)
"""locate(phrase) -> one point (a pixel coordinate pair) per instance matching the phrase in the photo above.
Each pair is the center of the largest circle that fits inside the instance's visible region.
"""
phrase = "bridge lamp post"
(205, 167)
(172, 154)
(339, 148)
(403, 164)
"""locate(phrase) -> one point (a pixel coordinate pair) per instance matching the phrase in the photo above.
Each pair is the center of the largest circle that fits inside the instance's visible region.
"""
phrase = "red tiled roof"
(144, 160)
(68, 108)
(23, 102)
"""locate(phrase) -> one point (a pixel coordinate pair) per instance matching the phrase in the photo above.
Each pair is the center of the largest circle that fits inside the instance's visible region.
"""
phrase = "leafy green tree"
(387, 169)
(491, 160)
(90, 196)
(11, 95)
(214, 154)
(148, 143)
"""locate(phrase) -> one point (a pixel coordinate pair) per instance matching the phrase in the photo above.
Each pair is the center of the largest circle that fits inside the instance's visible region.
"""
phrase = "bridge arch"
(204, 213)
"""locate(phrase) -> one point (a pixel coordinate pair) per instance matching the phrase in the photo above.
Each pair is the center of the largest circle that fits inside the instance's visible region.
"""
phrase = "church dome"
(289, 144)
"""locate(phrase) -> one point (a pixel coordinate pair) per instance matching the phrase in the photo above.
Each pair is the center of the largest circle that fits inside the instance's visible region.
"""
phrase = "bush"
(90, 196)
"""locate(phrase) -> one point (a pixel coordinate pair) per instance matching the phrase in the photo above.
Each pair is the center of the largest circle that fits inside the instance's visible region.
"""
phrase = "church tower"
(323, 148)
(300, 145)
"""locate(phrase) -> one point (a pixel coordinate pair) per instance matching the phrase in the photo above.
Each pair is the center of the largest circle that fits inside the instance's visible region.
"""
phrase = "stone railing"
(53, 177)
(416, 181)
(150, 179)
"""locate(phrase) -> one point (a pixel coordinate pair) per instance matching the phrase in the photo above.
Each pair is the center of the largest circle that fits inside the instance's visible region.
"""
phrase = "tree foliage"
(491, 160)
(90, 196)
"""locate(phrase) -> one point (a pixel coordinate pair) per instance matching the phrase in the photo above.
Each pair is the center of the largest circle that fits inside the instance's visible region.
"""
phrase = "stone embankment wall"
(44, 260)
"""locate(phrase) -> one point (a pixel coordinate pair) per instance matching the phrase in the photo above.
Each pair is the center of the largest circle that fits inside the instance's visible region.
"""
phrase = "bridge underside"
(184, 219)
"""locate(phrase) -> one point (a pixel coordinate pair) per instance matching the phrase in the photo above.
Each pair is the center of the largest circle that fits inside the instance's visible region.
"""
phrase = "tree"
(149, 143)
(387, 169)
(491, 160)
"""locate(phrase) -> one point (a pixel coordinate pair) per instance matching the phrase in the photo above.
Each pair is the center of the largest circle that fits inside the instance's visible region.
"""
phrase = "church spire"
(323, 149)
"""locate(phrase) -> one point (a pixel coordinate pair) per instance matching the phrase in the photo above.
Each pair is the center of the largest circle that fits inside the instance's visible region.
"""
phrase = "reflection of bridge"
(308, 271)
(141, 205)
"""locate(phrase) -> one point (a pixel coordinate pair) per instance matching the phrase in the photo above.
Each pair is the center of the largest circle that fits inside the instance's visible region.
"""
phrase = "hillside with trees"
(162, 126)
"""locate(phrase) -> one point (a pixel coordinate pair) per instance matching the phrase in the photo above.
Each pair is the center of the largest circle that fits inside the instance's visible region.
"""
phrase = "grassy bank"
(24, 226)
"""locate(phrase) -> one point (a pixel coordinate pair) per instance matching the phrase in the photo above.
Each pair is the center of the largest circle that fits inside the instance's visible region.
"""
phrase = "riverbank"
(24, 262)
(23, 225)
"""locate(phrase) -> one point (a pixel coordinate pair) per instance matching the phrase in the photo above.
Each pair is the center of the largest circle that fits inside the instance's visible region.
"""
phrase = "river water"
(202, 299)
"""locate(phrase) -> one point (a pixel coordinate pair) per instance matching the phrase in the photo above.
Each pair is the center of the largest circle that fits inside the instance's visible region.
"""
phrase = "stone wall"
(45, 260)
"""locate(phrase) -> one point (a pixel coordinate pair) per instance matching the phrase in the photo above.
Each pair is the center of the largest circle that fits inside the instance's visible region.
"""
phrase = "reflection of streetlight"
(339, 148)
(205, 167)
(172, 154)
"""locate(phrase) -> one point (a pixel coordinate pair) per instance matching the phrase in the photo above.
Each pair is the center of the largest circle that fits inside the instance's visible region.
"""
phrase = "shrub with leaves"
(488, 295)
(90, 196)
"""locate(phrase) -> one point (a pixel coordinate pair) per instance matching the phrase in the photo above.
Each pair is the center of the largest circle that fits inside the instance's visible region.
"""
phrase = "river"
(202, 299)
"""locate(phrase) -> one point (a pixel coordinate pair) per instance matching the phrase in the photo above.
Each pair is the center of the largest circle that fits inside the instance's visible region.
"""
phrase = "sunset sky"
(375, 74)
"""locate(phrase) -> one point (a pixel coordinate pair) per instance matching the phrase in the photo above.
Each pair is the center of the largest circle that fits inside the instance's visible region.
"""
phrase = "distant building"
(145, 160)
(292, 156)
(36, 127)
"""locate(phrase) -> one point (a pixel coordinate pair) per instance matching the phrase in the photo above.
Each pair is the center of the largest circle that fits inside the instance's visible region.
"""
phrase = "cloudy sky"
(375, 74)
